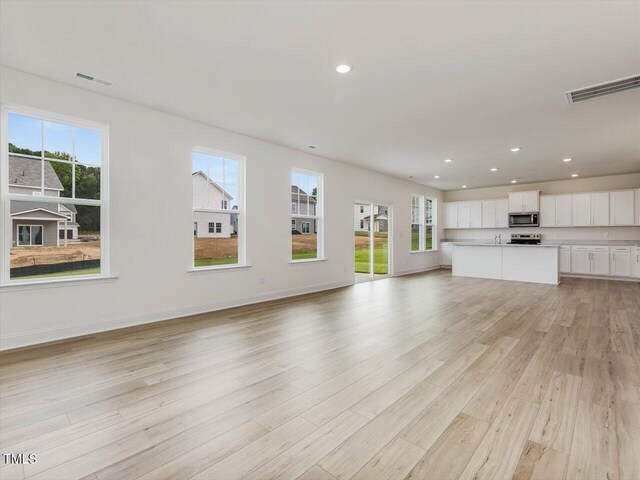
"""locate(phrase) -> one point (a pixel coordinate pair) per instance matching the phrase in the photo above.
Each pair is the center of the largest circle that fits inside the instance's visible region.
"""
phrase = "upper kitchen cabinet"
(502, 213)
(451, 215)
(581, 210)
(600, 209)
(524, 201)
(548, 211)
(489, 214)
(621, 207)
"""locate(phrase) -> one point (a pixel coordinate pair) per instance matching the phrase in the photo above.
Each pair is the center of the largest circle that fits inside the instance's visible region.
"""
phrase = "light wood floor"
(420, 377)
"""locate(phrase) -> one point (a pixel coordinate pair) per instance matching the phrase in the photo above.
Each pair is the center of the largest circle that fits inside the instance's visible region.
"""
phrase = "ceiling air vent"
(93, 79)
(601, 89)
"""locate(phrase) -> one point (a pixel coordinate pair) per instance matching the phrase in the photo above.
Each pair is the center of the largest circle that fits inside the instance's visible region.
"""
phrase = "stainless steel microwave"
(524, 220)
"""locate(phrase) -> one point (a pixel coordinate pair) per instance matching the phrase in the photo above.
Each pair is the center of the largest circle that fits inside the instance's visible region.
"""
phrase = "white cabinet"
(451, 215)
(600, 261)
(590, 260)
(489, 219)
(637, 217)
(621, 207)
(635, 262)
(620, 261)
(600, 209)
(563, 210)
(464, 214)
(502, 213)
(548, 211)
(446, 251)
(581, 260)
(565, 258)
(475, 218)
(520, 202)
(581, 210)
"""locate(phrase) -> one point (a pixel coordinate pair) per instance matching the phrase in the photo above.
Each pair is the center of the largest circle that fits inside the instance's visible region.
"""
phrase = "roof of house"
(26, 172)
(199, 172)
(20, 206)
(295, 191)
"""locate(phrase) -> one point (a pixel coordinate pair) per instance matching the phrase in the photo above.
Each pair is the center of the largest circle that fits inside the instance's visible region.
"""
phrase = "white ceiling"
(430, 80)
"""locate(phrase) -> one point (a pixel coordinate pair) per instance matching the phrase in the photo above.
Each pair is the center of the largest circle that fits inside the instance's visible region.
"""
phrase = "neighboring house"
(36, 223)
(207, 194)
(362, 220)
(302, 204)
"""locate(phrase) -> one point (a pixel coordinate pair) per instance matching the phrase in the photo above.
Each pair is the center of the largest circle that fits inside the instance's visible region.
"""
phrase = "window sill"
(53, 283)
(425, 251)
(307, 260)
(217, 268)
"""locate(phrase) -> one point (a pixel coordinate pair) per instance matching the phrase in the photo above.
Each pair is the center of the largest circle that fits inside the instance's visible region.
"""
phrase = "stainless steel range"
(525, 239)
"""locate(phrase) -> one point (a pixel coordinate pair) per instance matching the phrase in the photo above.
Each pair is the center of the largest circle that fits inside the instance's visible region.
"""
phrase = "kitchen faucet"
(497, 239)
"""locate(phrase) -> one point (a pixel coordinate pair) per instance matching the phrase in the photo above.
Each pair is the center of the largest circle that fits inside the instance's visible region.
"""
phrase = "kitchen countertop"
(478, 244)
(605, 243)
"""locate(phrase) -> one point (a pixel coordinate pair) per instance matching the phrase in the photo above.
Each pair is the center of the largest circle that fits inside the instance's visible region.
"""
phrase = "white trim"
(6, 197)
(18, 225)
(53, 334)
(600, 277)
(417, 270)
(240, 211)
(37, 284)
(307, 260)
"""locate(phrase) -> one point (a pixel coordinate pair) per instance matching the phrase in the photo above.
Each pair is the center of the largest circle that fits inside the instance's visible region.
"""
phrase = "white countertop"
(475, 244)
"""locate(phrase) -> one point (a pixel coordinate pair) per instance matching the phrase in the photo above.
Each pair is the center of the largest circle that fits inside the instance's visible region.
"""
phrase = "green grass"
(70, 273)
(380, 260)
(375, 234)
(304, 254)
(208, 262)
(415, 242)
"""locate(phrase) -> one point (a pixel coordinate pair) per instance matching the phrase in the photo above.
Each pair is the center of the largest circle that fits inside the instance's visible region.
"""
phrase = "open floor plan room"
(423, 376)
(320, 240)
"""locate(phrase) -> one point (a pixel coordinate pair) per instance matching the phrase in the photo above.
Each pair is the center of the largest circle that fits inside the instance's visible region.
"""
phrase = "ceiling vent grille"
(84, 76)
(581, 94)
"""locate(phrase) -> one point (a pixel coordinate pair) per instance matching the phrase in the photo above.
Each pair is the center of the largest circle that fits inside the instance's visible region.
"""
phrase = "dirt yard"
(74, 252)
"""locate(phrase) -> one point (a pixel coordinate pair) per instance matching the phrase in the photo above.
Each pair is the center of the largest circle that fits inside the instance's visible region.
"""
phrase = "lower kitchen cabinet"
(620, 261)
(565, 259)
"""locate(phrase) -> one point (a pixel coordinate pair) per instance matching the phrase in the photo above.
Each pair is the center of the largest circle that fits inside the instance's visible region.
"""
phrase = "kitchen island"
(521, 263)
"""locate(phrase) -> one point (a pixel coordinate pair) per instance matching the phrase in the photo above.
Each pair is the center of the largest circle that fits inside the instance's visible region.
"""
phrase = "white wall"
(151, 231)
(595, 184)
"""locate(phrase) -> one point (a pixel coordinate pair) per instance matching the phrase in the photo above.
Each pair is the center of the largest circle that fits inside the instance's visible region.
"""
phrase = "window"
(361, 221)
(195, 229)
(361, 209)
(29, 235)
(218, 191)
(423, 226)
(62, 162)
(306, 211)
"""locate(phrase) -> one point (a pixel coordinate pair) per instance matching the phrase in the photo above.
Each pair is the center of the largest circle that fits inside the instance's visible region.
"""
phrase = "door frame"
(389, 206)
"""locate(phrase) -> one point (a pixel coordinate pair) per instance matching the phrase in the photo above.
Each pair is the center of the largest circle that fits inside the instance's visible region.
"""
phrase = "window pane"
(87, 182)
(428, 238)
(217, 245)
(25, 135)
(25, 176)
(230, 200)
(304, 238)
(24, 235)
(415, 238)
(58, 180)
(58, 141)
(230, 171)
(51, 226)
(428, 211)
(88, 146)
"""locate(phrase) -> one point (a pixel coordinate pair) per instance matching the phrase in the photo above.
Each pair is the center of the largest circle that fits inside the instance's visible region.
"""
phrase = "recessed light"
(494, 169)
(312, 146)
(514, 181)
(515, 149)
(410, 176)
(464, 186)
(448, 160)
(566, 160)
(436, 176)
(343, 68)
(574, 175)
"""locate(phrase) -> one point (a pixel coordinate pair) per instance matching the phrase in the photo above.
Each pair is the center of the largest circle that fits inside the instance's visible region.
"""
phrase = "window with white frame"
(63, 162)
(423, 223)
(218, 192)
(306, 215)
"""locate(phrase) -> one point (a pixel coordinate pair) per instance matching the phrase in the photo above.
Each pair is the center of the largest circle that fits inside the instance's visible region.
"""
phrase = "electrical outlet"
(606, 234)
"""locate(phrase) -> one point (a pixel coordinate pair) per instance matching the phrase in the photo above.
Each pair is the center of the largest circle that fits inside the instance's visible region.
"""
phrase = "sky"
(26, 132)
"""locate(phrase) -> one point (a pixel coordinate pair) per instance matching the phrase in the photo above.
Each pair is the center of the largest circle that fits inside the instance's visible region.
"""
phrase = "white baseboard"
(600, 277)
(416, 270)
(50, 335)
